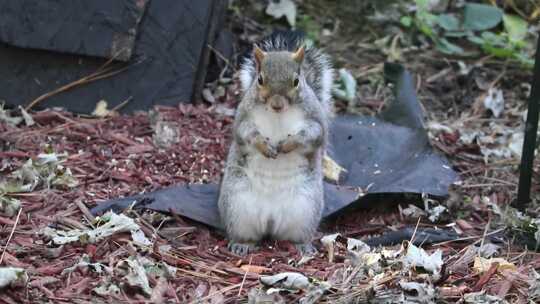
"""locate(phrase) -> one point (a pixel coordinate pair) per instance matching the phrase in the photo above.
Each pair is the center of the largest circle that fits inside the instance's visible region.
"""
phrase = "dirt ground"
(119, 155)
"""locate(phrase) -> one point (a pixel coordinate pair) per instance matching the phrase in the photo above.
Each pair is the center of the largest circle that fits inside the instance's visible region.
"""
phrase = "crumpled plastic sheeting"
(389, 153)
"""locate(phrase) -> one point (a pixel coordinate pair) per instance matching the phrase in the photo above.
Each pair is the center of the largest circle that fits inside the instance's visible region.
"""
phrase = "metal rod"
(529, 142)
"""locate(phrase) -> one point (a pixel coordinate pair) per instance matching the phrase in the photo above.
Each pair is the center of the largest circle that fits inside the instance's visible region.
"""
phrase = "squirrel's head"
(279, 77)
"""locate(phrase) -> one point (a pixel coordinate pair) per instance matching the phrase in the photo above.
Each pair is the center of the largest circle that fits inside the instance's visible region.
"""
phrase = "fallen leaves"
(163, 258)
(114, 223)
(11, 276)
(482, 265)
(280, 8)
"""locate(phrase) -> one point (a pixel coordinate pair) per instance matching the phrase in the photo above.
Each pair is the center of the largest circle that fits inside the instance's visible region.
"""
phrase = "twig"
(222, 291)
(468, 238)
(486, 277)
(89, 216)
(218, 53)
(102, 72)
(485, 185)
(10, 235)
(122, 104)
(484, 235)
(244, 278)
(415, 229)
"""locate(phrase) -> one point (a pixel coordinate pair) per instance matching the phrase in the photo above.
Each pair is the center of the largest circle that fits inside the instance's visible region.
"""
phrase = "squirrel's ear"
(298, 56)
(259, 55)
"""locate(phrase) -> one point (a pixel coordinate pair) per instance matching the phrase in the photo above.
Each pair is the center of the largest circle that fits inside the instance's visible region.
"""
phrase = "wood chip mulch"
(117, 156)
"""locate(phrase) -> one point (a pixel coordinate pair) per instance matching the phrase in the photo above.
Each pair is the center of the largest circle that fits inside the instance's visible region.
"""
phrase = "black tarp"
(386, 154)
(100, 28)
(47, 44)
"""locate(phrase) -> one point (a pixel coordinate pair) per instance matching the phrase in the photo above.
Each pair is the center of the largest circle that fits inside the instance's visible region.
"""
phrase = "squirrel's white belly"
(286, 170)
(279, 188)
(281, 214)
(277, 126)
(276, 175)
(278, 198)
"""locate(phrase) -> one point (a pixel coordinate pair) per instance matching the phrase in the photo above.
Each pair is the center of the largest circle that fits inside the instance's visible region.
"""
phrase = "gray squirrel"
(273, 181)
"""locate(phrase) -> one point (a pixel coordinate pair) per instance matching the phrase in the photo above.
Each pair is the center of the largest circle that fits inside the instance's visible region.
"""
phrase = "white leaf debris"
(329, 242)
(11, 276)
(482, 298)
(278, 9)
(134, 274)
(488, 250)
(293, 282)
(28, 120)
(418, 257)
(515, 144)
(101, 109)
(423, 292)
(9, 205)
(357, 246)
(139, 237)
(115, 224)
(287, 280)
(412, 211)
(494, 101)
(257, 295)
(84, 262)
(46, 171)
(534, 286)
(107, 289)
(6, 117)
(432, 207)
(157, 269)
(437, 127)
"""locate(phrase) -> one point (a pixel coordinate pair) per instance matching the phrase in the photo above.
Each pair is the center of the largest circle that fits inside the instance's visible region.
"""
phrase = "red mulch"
(114, 157)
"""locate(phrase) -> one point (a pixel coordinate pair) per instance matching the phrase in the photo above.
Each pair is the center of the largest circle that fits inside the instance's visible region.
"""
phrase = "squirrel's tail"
(317, 65)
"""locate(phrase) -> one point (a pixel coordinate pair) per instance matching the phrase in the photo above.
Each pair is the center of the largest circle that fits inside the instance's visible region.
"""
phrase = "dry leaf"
(255, 268)
(482, 264)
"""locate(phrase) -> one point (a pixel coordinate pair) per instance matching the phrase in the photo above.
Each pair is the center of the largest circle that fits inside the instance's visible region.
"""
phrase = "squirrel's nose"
(277, 103)
(277, 107)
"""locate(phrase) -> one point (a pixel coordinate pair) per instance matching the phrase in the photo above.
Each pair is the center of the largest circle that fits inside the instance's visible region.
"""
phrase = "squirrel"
(272, 184)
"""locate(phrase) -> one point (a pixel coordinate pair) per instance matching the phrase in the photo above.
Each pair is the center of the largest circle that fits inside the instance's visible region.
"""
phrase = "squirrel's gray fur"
(317, 66)
(273, 181)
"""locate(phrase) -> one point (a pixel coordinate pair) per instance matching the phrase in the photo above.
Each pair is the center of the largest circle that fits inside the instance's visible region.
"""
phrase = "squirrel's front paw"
(241, 249)
(288, 145)
(265, 147)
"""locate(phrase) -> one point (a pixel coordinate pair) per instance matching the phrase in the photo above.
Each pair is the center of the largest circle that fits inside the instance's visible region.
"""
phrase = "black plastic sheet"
(165, 41)
(100, 28)
(385, 154)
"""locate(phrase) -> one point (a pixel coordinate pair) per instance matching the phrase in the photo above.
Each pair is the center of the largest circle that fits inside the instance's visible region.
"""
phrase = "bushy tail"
(317, 65)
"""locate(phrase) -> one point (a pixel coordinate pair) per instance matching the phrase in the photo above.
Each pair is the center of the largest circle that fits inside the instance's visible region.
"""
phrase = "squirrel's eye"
(296, 82)
(260, 80)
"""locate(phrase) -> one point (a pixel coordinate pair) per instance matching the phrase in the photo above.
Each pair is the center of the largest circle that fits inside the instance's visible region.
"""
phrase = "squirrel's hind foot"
(241, 249)
(306, 249)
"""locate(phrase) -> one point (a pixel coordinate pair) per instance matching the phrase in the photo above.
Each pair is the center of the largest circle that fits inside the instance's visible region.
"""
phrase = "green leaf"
(516, 27)
(422, 4)
(496, 51)
(309, 26)
(448, 22)
(481, 17)
(525, 60)
(494, 39)
(475, 39)
(448, 47)
(456, 34)
(406, 21)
